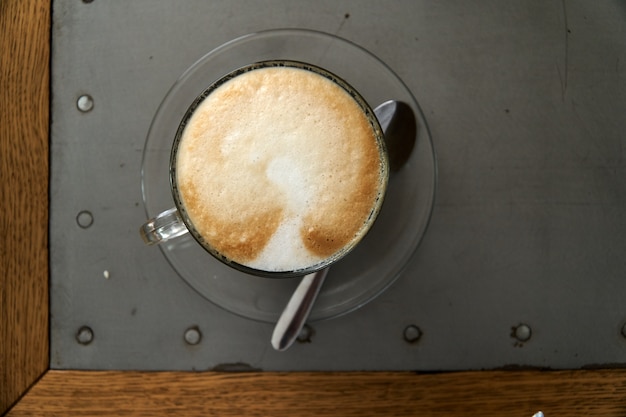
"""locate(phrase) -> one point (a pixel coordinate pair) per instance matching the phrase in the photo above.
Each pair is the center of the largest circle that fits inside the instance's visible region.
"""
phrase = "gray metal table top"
(523, 263)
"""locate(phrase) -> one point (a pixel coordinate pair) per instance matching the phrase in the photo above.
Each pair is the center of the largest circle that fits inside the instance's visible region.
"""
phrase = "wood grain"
(494, 393)
(24, 98)
(24, 115)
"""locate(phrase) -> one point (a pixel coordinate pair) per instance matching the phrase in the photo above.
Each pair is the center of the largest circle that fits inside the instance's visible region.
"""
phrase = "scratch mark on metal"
(564, 78)
(343, 22)
(558, 71)
(336, 33)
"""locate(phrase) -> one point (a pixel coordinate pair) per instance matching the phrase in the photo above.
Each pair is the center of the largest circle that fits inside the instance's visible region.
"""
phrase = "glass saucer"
(380, 257)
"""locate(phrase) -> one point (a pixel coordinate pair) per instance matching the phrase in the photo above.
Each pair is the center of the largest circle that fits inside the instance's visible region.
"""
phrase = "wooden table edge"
(485, 393)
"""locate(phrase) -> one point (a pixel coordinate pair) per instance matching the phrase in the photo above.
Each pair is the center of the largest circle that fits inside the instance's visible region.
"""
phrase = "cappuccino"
(279, 167)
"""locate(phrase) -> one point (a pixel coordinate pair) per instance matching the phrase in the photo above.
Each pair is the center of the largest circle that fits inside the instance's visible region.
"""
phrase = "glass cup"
(176, 221)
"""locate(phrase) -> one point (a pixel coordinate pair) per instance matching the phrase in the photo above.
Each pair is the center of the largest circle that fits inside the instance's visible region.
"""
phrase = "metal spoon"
(397, 121)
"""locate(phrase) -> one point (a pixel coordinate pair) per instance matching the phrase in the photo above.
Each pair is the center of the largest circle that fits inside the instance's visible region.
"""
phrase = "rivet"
(84, 336)
(306, 334)
(84, 219)
(522, 332)
(85, 103)
(106, 274)
(193, 335)
(412, 333)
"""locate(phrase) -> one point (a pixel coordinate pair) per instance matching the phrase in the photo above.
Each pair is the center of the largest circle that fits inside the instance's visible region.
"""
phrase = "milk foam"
(279, 169)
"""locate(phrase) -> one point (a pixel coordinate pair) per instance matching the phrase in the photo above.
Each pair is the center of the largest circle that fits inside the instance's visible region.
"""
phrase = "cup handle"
(164, 226)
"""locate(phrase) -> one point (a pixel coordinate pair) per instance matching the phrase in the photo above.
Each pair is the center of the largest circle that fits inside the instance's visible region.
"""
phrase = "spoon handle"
(297, 310)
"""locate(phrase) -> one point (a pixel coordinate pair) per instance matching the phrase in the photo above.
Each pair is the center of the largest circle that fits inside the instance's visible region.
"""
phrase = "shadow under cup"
(182, 215)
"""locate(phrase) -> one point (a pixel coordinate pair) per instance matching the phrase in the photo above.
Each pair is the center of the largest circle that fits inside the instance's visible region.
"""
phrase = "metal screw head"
(306, 334)
(193, 336)
(84, 336)
(84, 219)
(412, 333)
(522, 332)
(85, 103)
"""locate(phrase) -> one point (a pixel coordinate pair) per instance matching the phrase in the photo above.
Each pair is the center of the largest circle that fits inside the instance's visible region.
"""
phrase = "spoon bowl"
(397, 120)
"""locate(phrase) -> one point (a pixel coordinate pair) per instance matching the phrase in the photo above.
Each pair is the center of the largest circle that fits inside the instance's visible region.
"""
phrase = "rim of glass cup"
(380, 140)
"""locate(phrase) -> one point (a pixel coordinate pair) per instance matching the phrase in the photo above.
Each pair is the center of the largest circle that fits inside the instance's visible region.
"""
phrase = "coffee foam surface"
(278, 169)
